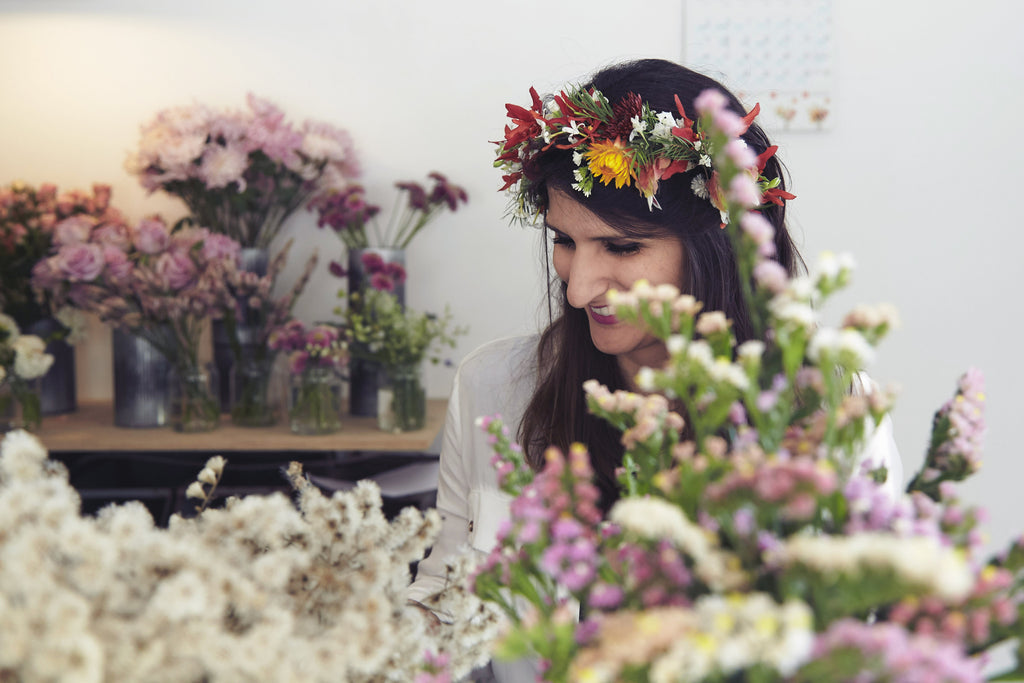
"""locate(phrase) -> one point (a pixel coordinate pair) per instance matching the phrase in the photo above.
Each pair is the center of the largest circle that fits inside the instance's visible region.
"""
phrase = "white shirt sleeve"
(452, 504)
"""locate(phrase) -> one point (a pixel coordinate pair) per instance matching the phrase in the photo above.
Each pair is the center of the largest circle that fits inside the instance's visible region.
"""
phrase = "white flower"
(195, 490)
(712, 322)
(74, 320)
(705, 160)
(699, 185)
(577, 157)
(848, 346)
(8, 325)
(22, 457)
(700, 352)
(793, 313)
(639, 127)
(724, 371)
(664, 125)
(645, 379)
(30, 360)
(752, 349)
(676, 343)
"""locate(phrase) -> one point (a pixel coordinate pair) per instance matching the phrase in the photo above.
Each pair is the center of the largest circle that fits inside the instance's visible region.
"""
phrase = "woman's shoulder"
(499, 365)
(503, 352)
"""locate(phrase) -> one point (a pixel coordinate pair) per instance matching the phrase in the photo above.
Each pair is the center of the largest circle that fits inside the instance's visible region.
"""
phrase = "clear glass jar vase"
(314, 401)
(20, 406)
(402, 399)
(194, 406)
(254, 402)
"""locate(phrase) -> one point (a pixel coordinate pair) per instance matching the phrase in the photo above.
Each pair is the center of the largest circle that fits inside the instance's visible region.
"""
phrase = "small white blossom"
(699, 185)
(645, 379)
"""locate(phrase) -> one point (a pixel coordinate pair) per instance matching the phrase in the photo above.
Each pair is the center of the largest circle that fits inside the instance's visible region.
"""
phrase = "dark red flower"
(337, 270)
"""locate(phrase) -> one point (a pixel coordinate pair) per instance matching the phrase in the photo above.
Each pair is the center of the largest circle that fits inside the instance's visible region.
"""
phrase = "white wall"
(916, 178)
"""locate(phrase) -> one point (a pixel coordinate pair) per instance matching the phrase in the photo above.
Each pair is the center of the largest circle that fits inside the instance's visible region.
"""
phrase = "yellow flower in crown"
(610, 160)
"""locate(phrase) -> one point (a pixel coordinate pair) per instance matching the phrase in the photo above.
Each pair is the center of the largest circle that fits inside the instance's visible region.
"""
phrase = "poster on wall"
(779, 53)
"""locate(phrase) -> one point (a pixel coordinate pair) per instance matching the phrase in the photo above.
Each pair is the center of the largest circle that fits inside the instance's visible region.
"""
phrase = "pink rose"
(218, 247)
(175, 268)
(45, 275)
(119, 268)
(80, 262)
(114, 234)
(151, 236)
(73, 230)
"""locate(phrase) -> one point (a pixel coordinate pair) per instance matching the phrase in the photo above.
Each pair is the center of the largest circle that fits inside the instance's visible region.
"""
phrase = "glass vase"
(20, 405)
(314, 401)
(253, 401)
(194, 403)
(402, 400)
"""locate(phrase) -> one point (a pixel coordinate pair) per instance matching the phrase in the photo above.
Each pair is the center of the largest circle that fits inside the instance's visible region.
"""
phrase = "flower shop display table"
(114, 464)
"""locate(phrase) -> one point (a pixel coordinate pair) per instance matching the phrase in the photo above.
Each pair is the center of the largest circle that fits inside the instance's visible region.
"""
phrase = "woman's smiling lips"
(603, 315)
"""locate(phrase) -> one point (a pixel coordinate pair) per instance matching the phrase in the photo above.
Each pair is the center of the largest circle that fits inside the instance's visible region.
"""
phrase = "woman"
(608, 229)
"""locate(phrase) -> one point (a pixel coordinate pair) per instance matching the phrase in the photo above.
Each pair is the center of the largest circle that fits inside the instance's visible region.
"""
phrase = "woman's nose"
(587, 280)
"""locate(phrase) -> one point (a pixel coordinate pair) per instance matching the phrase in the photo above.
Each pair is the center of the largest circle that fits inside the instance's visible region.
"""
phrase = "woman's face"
(592, 257)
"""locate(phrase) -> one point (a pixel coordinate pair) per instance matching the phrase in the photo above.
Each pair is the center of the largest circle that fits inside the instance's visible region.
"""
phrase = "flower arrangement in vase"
(157, 283)
(379, 329)
(749, 542)
(241, 173)
(253, 401)
(23, 359)
(316, 357)
(353, 219)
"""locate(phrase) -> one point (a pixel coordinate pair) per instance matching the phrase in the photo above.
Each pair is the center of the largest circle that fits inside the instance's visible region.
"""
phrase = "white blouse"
(498, 379)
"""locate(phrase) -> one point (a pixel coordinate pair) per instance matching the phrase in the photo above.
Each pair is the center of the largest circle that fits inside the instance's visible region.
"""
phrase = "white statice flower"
(22, 457)
(705, 160)
(639, 127)
(577, 157)
(31, 360)
(712, 322)
(676, 344)
(847, 346)
(918, 560)
(699, 351)
(793, 313)
(871, 317)
(722, 370)
(752, 349)
(645, 379)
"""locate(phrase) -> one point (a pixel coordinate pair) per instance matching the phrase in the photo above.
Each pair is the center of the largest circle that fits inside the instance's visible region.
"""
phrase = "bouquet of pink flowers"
(316, 358)
(241, 173)
(155, 282)
(749, 542)
(352, 218)
(28, 218)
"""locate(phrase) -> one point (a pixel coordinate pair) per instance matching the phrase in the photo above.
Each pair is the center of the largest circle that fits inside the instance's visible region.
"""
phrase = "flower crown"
(627, 143)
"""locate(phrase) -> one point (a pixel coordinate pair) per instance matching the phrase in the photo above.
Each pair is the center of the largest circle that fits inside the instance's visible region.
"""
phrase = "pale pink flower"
(758, 227)
(80, 262)
(119, 268)
(217, 247)
(175, 268)
(151, 236)
(116, 234)
(222, 166)
(741, 154)
(772, 276)
(744, 191)
(73, 230)
(710, 101)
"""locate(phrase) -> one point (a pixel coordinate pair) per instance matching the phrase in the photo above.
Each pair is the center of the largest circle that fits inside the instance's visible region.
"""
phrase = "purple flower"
(175, 269)
(119, 268)
(80, 262)
(73, 230)
(151, 236)
(297, 362)
(606, 596)
(217, 247)
(336, 269)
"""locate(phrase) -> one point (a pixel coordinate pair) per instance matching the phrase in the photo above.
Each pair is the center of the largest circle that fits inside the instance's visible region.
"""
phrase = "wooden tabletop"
(91, 428)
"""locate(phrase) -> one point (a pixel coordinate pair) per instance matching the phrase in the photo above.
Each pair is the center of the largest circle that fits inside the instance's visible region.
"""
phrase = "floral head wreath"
(627, 143)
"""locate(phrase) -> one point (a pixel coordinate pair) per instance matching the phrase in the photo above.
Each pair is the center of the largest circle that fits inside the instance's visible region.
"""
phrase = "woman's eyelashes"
(611, 245)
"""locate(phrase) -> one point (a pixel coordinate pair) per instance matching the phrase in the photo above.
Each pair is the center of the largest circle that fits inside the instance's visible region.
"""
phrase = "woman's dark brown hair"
(557, 413)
